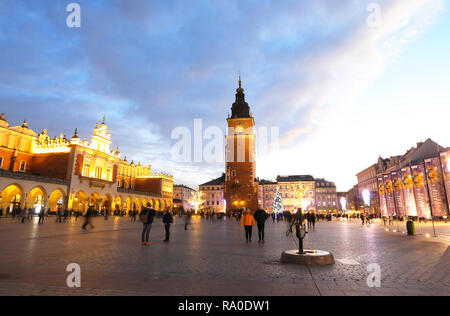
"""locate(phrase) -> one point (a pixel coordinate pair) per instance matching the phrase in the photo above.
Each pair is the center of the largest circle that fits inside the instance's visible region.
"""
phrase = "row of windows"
(213, 188)
(98, 172)
(213, 203)
(22, 167)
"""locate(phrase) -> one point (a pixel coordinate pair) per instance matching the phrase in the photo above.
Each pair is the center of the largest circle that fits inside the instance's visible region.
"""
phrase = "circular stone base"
(309, 258)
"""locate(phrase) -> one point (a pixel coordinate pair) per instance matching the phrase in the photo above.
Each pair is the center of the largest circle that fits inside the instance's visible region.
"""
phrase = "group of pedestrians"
(147, 218)
(249, 220)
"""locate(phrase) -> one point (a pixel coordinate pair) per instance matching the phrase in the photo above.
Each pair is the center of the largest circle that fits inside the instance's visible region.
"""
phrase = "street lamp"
(344, 204)
(366, 197)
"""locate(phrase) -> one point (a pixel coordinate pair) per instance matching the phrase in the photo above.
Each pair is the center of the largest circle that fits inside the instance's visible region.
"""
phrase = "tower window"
(233, 173)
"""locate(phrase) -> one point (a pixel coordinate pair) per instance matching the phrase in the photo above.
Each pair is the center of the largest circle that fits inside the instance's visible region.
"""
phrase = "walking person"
(248, 221)
(147, 216)
(187, 221)
(88, 218)
(313, 219)
(23, 215)
(41, 216)
(59, 214)
(167, 220)
(260, 217)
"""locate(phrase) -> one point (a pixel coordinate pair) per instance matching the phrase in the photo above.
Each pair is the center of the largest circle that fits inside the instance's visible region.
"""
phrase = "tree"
(301, 198)
(278, 206)
(197, 199)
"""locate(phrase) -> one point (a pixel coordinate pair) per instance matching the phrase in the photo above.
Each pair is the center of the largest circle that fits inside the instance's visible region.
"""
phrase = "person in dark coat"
(260, 218)
(167, 220)
(41, 216)
(88, 218)
(147, 216)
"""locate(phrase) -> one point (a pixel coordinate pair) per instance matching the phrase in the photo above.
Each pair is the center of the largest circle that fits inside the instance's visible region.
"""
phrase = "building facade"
(181, 196)
(241, 187)
(37, 171)
(368, 179)
(214, 195)
(326, 196)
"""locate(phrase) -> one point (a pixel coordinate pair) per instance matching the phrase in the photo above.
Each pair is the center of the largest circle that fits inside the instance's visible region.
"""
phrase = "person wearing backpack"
(147, 215)
(167, 220)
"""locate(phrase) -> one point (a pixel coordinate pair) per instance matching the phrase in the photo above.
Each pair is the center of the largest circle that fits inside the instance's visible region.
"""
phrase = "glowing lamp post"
(344, 204)
(366, 197)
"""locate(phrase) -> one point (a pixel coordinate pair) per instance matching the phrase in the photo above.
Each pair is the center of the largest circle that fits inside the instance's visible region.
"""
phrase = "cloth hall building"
(37, 172)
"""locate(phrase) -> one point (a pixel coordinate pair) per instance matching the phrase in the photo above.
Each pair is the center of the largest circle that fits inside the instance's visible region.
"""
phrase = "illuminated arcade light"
(428, 235)
(366, 197)
(344, 203)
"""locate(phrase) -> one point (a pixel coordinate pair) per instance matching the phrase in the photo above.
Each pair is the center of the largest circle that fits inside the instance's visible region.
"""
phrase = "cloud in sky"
(151, 66)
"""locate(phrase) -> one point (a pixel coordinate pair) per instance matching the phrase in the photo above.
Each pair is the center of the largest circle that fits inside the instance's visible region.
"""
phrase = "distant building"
(326, 196)
(214, 195)
(181, 196)
(291, 185)
(266, 193)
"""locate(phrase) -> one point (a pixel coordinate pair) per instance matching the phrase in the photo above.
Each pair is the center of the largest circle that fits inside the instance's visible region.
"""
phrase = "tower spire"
(240, 81)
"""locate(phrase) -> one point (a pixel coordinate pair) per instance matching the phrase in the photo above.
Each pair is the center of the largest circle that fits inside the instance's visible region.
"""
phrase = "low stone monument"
(301, 256)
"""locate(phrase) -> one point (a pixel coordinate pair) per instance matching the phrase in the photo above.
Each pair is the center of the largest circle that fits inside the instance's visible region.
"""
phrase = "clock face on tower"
(239, 129)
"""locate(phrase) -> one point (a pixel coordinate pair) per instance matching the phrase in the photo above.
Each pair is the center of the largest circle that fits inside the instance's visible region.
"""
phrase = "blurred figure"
(41, 216)
(88, 218)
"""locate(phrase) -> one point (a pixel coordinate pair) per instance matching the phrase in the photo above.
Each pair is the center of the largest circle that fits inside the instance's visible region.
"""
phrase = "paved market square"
(212, 258)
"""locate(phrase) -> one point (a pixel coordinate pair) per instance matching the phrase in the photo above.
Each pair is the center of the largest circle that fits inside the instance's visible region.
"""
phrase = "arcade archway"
(107, 203)
(80, 202)
(36, 199)
(56, 201)
(12, 198)
(137, 205)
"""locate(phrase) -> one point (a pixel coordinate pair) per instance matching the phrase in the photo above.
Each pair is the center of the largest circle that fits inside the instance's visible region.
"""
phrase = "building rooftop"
(295, 178)
(183, 186)
(218, 181)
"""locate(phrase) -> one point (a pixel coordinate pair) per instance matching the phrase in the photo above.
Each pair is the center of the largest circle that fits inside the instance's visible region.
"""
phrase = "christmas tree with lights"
(278, 206)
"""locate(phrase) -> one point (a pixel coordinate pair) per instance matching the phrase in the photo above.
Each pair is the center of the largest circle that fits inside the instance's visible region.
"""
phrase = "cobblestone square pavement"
(211, 258)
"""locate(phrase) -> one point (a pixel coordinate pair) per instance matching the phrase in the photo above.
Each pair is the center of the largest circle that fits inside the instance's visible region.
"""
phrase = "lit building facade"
(214, 195)
(326, 196)
(181, 196)
(37, 171)
(296, 188)
(369, 178)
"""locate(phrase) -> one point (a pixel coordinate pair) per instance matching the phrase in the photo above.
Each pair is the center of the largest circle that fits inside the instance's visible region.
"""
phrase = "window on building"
(86, 169)
(108, 174)
(23, 166)
(233, 173)
(1, 162)
(98, 172)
